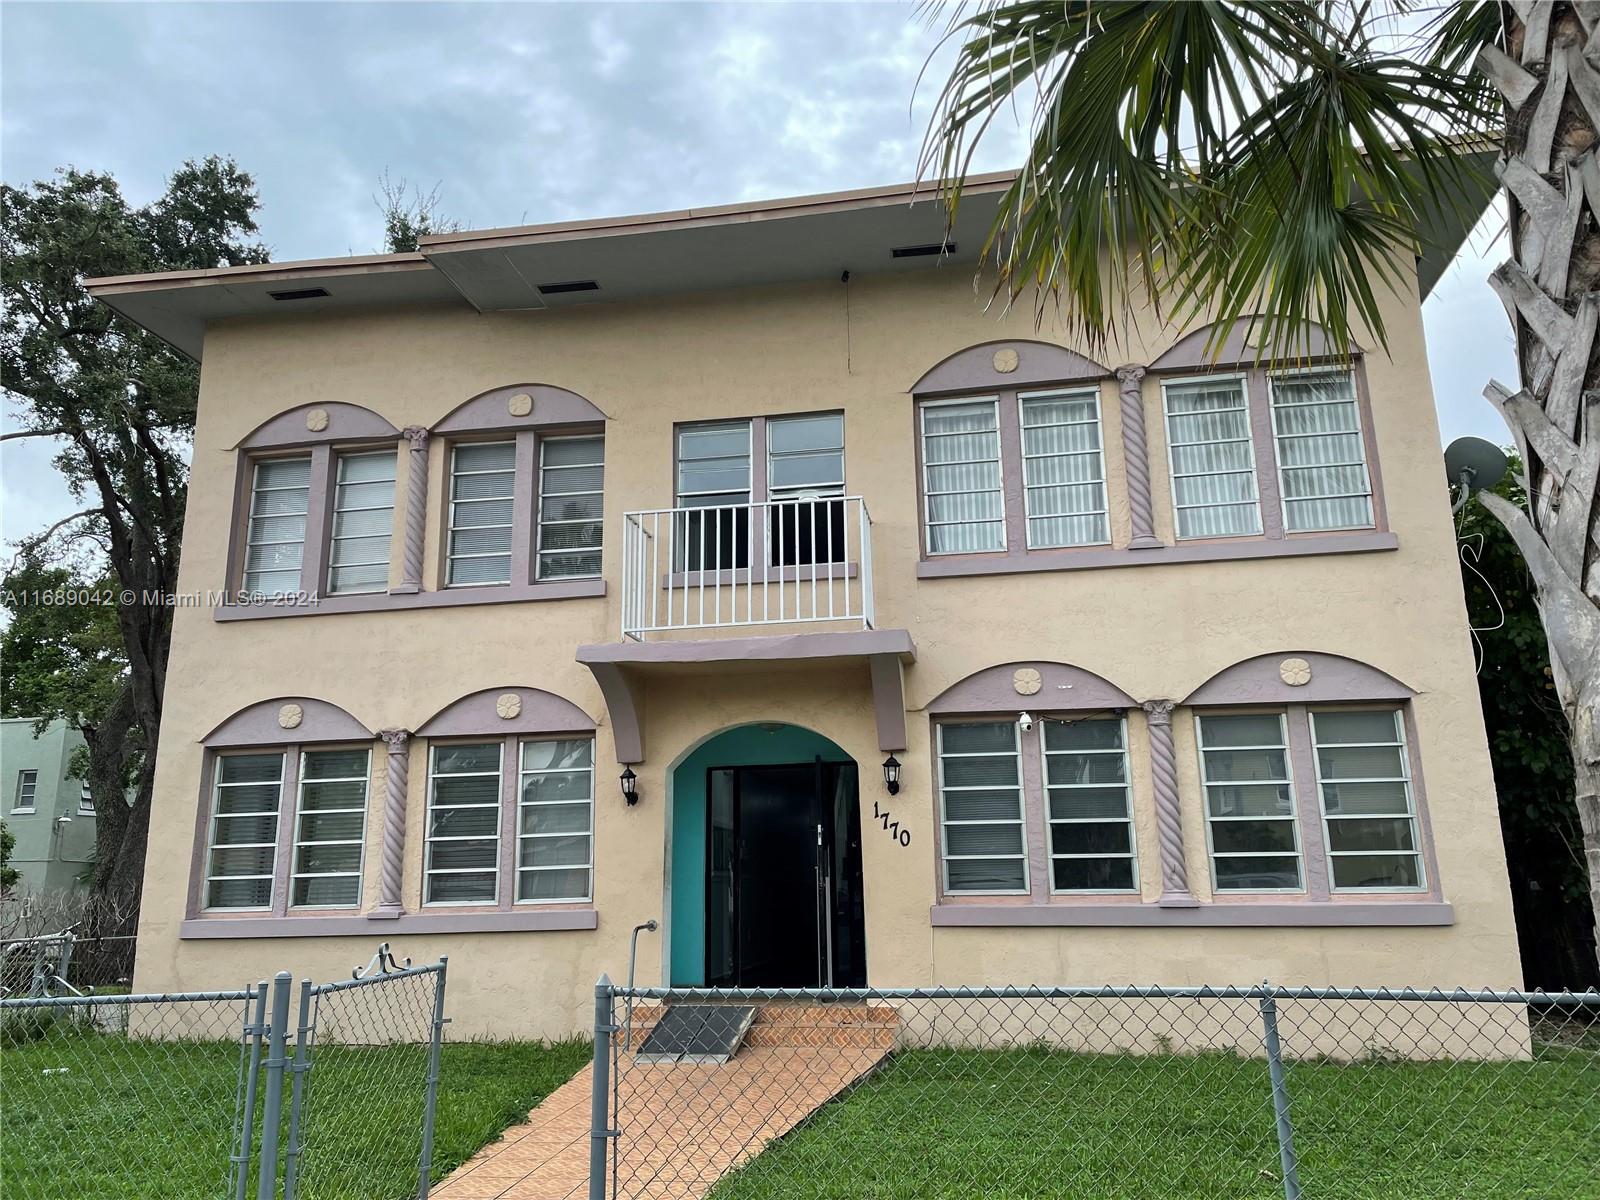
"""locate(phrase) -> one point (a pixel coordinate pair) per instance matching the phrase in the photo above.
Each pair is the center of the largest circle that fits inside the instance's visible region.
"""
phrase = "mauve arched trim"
(346, 423)
(491, 410)
(1259, 680)
(1038, 363)
(1189, 352)
(478, 714)
(1062, 688)
(260, 724)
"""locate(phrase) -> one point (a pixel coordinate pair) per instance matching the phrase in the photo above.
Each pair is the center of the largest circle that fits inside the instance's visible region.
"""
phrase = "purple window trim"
(1391, 913)
(258, 724)
(346, 423)
(490, 411)
(371, 602)
(1062, 688)
(1039, 364)
(1334, 679)
(525, 919)
(1088, 558)
(475, 715)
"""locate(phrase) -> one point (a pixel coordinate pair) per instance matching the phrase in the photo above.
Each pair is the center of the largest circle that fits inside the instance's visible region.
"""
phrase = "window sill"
(1311, 914)
(1099, 557)
(382, 924)
(369, 602)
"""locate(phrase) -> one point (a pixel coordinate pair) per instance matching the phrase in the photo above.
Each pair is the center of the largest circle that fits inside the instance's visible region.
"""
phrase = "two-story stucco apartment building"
(590, 573)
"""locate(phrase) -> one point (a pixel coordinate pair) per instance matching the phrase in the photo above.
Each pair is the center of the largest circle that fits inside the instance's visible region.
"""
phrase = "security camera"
(1025, 722)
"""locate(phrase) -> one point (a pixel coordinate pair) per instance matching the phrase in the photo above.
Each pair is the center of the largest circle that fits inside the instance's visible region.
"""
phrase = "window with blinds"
(1322, 458)
(555, 820)
(1250, 807)
(242, 849)
(482, 487)
(330, 829)
(363, 522)
(962, 492)
(1369, 815)
(1063, 469)
(1212, 458)
(1090, 818)
(462, 859)
(571, 479)
(980, 801)
(275, 540)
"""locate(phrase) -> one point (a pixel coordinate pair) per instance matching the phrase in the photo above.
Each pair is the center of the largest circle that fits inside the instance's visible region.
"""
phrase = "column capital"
(1159, 712)
(1130, 372)
(417, 435)
(395, 739)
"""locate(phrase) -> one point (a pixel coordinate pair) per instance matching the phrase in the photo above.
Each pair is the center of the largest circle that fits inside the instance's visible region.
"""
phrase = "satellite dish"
(1474, 465)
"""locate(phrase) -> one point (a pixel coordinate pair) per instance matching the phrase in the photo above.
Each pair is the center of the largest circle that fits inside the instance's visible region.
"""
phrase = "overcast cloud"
(521, 112)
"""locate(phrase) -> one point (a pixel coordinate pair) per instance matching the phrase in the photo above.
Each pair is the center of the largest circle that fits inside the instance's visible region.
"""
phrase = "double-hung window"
(1212, 453)
(963, 496)
(805, 472)
(85, 801)
(984, 843)
(27, 786)
(1369, 815)
(1322, 459)
(1090, 816)
(571, 487)
(1251, 820)
(1063, 469)
(330, 829)
(482, 490)
(363, 523)
(712, 528)
(242, 851)
(275, 539)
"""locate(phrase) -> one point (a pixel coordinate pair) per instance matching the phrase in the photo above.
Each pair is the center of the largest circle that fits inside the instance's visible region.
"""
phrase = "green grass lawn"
(97, 1115)
(1031, 1123)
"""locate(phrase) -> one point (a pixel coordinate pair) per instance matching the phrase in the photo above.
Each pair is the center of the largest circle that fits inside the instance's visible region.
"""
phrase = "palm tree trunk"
(1549, 75)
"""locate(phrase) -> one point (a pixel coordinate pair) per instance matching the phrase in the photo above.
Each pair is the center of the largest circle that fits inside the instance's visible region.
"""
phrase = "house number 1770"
(903, 836)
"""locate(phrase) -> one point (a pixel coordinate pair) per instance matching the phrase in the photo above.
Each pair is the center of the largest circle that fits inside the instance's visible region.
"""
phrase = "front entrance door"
(783, 901)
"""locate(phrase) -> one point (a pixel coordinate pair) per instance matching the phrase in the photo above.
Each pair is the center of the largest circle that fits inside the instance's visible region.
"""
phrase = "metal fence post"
(430, 1103)
(600, 1131)
(1287, 1159)
(250, 1068)
(272, 1096)
(297, 1091)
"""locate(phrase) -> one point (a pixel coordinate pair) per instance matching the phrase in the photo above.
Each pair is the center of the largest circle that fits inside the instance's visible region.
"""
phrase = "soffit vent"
(299, 294)
(924, 251)
(575, 285)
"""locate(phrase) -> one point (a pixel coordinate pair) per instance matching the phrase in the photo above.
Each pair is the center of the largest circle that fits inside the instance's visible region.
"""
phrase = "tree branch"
(27, 433)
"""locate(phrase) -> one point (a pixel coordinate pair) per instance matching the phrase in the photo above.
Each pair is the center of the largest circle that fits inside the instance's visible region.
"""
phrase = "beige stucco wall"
(1155, 631)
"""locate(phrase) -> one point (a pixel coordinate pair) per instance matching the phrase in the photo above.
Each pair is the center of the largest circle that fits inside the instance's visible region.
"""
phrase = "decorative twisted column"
(1169, 817)
(397, 768)
(1136, 459)
(416, 512)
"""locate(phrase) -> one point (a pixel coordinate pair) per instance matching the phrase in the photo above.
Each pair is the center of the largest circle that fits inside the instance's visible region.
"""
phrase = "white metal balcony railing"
(775, 562)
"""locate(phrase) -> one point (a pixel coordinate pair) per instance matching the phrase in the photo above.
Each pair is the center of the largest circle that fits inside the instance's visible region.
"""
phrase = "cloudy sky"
(520, 113)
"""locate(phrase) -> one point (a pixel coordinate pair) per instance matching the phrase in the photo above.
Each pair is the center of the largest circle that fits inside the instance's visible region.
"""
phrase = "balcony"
(777, 562)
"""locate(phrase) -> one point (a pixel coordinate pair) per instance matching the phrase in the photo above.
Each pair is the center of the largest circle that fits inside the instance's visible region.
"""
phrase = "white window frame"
(250, 516)
(1022, 814)
(428, 838)
(1361, 440)
(207, 878)
(85, 800)
(450, 555)
(539, 519)
(335, 509)
(1293, 817)
(1243, 380)
(677, 462)
(27, 780)
(1411, 803)
(1051, 822)
(295, 874)
(999, 460)
(820, 490)
(1104, 512)
(523, 773)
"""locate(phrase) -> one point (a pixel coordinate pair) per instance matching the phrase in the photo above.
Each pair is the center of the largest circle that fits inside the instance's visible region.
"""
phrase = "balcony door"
(784, 898)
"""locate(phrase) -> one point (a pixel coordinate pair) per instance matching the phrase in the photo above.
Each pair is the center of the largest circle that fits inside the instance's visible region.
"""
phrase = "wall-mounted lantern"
(891, 775)
(630, 786)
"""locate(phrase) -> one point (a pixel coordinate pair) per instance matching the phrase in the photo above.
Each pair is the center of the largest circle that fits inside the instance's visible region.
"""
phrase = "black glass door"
(783, 894)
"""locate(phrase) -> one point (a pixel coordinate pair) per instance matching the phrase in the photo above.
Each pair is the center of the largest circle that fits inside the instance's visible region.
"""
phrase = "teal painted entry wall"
(744, 746)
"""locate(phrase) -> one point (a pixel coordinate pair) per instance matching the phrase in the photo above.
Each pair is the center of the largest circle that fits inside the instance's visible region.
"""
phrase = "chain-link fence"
(1231, 1093)
(318, 1091)
(65, 963)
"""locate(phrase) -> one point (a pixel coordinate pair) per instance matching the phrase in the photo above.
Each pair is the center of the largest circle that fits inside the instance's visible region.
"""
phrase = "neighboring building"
(51, 814)
(1177, 678)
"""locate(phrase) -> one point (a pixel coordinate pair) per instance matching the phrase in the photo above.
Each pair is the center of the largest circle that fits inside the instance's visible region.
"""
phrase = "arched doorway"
(766, 886)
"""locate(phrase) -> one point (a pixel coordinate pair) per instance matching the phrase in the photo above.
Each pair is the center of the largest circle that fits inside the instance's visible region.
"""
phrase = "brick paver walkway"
(684, 1125)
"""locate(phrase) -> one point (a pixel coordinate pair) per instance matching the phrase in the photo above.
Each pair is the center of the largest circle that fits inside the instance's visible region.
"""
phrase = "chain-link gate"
(1196, 1092)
